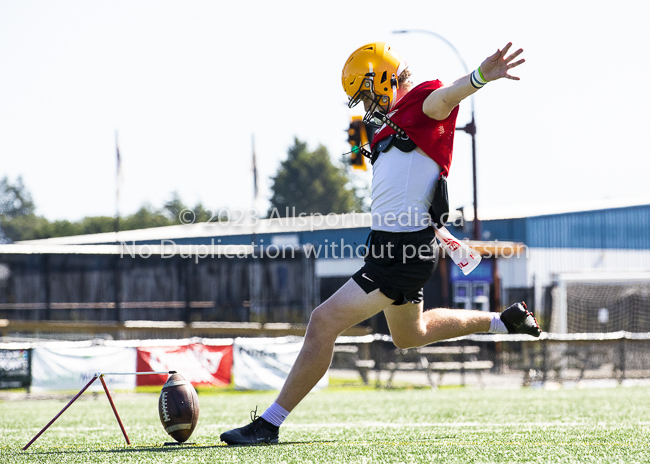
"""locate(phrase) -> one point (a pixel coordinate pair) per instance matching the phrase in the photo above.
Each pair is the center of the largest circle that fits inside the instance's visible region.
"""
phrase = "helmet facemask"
(366, 91)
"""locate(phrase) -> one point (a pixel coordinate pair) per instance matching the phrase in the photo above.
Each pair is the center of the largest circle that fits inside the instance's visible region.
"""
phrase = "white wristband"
(476, 78)
(496, 325)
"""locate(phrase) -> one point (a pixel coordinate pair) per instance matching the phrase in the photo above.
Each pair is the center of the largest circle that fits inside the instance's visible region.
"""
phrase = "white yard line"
(349, 425)
(365, 424)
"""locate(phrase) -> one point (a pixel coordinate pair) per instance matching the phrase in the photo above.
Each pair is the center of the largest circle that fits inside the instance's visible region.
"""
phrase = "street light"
(469, 128)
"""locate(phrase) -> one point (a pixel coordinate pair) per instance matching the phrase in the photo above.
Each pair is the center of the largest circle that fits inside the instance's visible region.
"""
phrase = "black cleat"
(258, 432)
(519, 320)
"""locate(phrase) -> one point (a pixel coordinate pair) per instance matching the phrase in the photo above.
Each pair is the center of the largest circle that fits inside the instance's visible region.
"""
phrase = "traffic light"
(357, 138)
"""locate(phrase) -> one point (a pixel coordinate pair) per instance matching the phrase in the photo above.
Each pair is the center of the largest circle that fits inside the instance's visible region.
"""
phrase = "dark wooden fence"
(76, 284)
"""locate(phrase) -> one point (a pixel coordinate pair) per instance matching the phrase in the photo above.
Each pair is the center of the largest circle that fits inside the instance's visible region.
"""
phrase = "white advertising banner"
(264, 363)
(70, 367)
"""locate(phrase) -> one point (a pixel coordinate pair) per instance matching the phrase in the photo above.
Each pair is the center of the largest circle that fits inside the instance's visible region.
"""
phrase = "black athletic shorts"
(399, 264)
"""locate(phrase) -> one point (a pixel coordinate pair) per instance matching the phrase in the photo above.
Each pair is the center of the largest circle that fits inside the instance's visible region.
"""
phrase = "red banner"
(199, 364)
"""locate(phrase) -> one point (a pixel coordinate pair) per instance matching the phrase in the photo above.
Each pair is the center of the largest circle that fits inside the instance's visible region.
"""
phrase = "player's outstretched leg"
(518, 319)
(411, 327)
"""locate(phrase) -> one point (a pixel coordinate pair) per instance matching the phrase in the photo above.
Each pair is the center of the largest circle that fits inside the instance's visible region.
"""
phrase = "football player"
(411, 154)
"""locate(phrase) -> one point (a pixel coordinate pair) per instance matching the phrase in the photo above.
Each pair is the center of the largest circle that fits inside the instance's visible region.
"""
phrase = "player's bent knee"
(404, 342)
(320, 322)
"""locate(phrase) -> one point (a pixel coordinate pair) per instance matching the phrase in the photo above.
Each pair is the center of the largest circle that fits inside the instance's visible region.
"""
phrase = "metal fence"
(506, 360)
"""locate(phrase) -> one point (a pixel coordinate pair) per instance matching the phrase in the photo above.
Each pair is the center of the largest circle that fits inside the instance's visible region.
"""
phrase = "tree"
(97, 224)
(145, 218)
(15, 200)
(17, 218)
(179, 213)
(204, 215)
(309, 181)
(27, 227)
(174, 208)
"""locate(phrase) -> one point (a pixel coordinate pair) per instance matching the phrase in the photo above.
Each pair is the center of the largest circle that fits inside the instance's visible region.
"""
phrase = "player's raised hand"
(497, 66)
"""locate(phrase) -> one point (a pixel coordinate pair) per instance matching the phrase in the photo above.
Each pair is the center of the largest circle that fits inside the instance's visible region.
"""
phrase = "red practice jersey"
(435, 138)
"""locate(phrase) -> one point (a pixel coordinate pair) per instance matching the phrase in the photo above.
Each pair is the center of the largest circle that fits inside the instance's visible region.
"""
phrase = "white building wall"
(340, 267)
(545, 263)
(513, 271)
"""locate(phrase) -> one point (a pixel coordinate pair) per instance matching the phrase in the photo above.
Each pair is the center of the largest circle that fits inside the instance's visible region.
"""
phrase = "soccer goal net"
(592, 303)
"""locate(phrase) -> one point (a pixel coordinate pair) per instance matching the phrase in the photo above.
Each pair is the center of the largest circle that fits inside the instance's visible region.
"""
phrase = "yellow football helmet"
(371, 71)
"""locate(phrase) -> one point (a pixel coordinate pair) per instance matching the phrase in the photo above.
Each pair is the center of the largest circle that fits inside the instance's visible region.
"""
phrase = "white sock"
(275, 415)
(497, 326)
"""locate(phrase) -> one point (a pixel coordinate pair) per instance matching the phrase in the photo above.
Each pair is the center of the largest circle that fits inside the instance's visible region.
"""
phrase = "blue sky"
(186, 84)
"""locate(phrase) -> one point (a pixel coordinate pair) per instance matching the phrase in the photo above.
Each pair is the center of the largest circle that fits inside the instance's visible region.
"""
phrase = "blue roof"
(617, 228)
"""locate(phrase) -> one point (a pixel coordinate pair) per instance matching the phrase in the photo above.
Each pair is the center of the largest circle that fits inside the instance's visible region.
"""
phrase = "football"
(178, 407)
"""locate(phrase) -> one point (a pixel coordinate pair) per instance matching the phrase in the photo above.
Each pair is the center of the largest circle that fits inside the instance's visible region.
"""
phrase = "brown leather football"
(178, 407)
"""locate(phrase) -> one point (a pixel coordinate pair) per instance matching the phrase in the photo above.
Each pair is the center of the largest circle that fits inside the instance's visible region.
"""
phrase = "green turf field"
(349, 425)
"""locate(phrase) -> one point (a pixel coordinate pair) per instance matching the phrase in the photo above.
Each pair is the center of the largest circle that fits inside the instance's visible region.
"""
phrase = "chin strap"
(371, 75)
(384, 119)
(393, 84)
